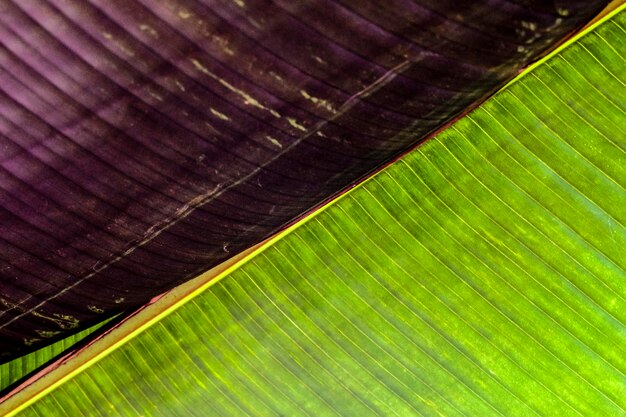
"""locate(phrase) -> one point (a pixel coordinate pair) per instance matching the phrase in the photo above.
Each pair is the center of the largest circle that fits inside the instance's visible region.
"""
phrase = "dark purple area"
(143, 142)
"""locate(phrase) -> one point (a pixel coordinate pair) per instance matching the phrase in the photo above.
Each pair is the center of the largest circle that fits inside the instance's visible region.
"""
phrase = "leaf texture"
(142, 142)
(15, 371)
(481, 275)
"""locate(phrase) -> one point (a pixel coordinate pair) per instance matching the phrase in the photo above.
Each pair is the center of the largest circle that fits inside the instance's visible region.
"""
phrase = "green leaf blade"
(14, 371)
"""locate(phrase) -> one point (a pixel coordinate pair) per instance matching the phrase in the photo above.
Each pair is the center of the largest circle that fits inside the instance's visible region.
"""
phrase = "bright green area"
(482, 275)
(13, 371)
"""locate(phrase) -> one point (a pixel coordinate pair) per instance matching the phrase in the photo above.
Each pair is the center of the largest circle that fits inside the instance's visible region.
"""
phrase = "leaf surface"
(481, 275)
(13, 371)
(143, 142)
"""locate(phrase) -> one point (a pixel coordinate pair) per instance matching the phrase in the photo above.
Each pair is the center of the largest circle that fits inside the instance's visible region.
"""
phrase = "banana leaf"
(12, 372)
(143, 142)
(480, 275)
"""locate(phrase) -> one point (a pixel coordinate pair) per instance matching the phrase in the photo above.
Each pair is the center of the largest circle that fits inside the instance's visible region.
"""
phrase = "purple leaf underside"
(143, 142)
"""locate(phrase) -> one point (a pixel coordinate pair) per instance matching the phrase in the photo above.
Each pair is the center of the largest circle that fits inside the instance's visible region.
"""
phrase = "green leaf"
(13, 371)
(481, 275)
